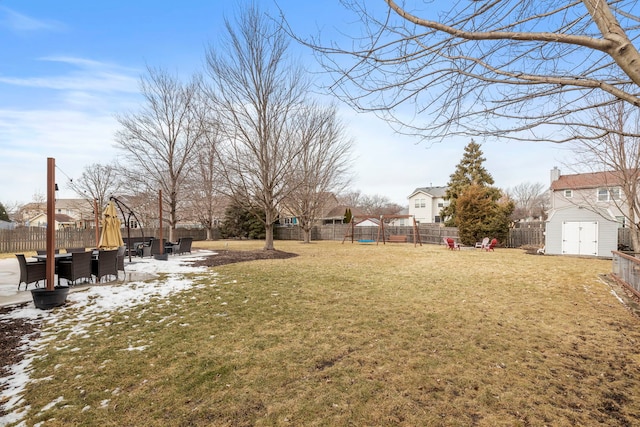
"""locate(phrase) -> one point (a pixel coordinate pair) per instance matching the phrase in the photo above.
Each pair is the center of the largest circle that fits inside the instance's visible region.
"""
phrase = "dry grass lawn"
(355, 335)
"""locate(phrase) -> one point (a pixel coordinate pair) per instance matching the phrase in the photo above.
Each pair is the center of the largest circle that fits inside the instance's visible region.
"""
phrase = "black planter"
(46, 299)
(161, 257)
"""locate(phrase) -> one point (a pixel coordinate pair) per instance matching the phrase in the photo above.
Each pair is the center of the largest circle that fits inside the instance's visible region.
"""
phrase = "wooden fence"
(27, 239)
(519, 237)
(429, 234)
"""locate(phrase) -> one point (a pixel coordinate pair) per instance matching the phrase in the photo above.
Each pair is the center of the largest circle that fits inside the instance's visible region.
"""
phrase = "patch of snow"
(91, 305)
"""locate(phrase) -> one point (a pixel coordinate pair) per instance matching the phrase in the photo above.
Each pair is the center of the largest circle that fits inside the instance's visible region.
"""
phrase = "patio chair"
(491, 245)
(452, 244)
(122, 250)
(105, 265)
(153, 248)
(79, 267)
(30, 272)
(483, 244)
(183, 245)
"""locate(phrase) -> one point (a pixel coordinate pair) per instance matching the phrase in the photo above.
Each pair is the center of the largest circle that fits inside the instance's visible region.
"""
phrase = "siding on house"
(583, 189)
(425, 204)
(577, 214)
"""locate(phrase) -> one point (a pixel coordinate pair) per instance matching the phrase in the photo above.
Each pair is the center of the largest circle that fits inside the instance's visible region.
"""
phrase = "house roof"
(430, 191)
(375, 221)
(338, 212)
(59, 218)
(62, 218)
(585, 180)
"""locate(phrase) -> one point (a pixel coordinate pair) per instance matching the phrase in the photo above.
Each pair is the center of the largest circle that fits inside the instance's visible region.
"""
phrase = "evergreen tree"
(469, 171)
(483, 212)
(240, 223)
(4, 216)
(347, 216)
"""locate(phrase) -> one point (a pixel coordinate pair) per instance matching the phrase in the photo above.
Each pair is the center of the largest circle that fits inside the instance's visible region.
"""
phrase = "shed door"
(580, 238)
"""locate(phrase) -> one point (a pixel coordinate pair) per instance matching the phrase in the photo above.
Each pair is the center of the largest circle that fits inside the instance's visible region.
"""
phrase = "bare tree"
(97, 182)
(322, 165)
(518, 68)
(256, 92)
(617, 155)
(531, 200)
(205, 202)
(350, 198)
(159, 140)
(39, 198)
(376, 205)
(144, 204)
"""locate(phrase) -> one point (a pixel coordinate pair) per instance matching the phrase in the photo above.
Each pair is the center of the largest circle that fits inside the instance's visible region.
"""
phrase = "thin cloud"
(18, 22)
(88, 75)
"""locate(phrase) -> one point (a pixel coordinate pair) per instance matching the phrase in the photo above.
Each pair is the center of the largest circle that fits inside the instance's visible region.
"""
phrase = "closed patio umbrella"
(111, 237)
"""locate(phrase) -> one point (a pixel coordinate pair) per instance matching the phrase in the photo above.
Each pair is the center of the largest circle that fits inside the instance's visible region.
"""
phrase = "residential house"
(328, 212)
(7, 225)
(425, 204)
(61, 221)
(586, 212)
(335, 215)
(402, 222)
(80, 212)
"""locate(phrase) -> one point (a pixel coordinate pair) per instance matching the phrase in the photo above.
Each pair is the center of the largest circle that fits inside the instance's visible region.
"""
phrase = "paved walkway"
(10, 274)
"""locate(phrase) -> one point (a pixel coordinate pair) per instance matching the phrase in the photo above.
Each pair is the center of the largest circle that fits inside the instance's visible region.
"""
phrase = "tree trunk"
(306, 235)
(635, 238)
(268, 240)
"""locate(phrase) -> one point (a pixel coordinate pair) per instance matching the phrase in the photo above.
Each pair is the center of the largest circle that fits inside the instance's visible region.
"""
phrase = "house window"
(622, 221)
(417, 203)
(440, 205)
(423, 203)
(607, 194)
(614, 193)
(437, 219)
(568, 194)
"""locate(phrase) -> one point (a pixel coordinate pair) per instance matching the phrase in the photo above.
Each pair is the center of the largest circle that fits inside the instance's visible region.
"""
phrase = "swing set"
(383, 234)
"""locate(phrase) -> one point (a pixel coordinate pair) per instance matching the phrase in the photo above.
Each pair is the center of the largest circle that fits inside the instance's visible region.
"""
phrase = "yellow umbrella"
(111, 236)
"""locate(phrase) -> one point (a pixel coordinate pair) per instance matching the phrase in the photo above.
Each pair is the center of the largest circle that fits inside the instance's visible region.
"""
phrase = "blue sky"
(67, 68)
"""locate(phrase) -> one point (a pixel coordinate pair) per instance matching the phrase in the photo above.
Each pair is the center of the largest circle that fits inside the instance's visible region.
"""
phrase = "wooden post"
(160, 208)
(51, 222)
(97, 227)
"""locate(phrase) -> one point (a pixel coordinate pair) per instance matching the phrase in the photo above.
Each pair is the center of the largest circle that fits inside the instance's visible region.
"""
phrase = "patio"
(10, 274)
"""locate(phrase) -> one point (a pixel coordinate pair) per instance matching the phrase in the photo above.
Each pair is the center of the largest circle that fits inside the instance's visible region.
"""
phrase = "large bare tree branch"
(510, 68)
